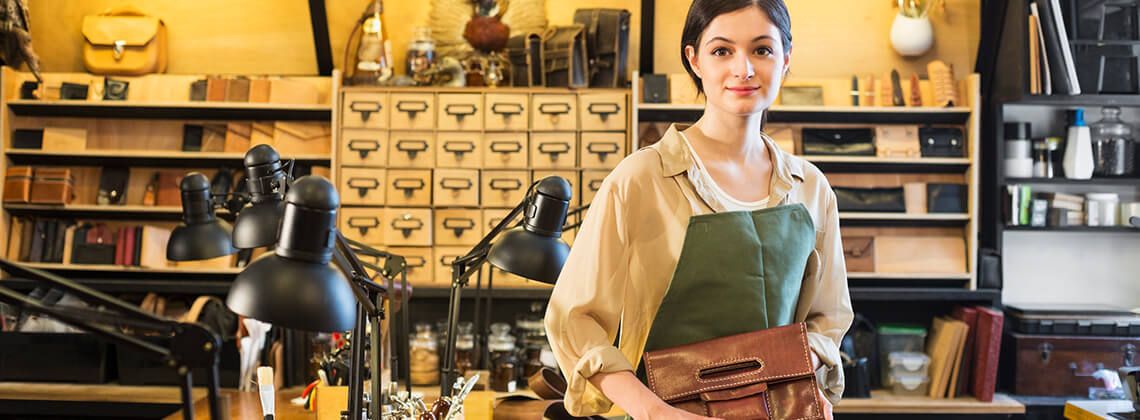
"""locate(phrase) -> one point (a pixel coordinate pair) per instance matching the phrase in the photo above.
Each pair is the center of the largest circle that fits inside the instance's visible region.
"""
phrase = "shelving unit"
(153, 158)
(169, 110)
(94, 211)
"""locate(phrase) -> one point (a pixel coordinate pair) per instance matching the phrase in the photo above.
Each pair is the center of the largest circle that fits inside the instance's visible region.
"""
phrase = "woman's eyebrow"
(761, 37)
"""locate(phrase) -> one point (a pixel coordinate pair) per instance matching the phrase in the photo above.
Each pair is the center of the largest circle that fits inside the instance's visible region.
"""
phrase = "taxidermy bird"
(16, 37)
(462, 25)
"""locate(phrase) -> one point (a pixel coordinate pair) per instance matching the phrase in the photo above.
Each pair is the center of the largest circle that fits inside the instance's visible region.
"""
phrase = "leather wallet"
(198, 90)
(898, 141)
(859, 253)
(870, 199)
(115, 90)
(737, 376)
(655, 89)
(942, 142)
(946, 198)
(73, 91)
(525, 54)
(565, 56)
(113, 185)
(607, 45)
(23, 138)
(838, 141)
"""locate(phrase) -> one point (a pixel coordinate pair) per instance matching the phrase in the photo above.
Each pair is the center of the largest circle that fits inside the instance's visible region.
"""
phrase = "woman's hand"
(664, 411)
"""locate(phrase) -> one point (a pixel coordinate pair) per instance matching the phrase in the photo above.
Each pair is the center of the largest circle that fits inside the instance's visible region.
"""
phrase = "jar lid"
(1017, 130)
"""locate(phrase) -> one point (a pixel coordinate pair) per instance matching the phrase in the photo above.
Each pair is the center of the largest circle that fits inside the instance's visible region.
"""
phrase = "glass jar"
(421, 56)
(464, 348)
(1113, 149)
(425, 356)
(504, 362)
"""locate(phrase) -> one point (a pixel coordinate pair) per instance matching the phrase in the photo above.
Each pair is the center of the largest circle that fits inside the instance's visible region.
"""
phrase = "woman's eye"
(764, 51)
(720, 51)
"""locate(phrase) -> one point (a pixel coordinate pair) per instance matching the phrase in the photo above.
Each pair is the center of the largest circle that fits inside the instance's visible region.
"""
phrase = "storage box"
(899, 338)
(908, 363)
(909, 385)
(53, 186)
(53, 357)
(1063, 365)
(18, 184)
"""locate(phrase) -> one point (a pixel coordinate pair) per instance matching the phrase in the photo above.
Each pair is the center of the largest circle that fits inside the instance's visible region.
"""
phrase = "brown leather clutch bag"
(765, 374)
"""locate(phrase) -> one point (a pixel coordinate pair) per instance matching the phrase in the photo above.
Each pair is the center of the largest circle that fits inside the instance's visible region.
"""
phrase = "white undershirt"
(730, 203)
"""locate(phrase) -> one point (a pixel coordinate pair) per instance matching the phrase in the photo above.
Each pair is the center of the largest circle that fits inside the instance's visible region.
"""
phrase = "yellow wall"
(832, 38)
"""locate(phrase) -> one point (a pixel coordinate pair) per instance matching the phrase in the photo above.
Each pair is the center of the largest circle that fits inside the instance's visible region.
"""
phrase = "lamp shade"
(536, 250)
(258, 223)
(201, 235)
(297, 287)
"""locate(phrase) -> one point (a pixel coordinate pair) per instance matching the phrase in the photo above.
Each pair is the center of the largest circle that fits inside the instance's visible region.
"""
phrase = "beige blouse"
(627, 248)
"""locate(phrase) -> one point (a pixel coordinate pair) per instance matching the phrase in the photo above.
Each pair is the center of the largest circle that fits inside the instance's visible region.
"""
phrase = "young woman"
(710, 232)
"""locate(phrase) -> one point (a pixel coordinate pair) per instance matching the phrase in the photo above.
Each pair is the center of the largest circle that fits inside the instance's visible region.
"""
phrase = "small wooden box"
(554, 112)
(456, 188)
(408, 227)
(361, 147)
(365, 110)
(601, 150)
(64, 139)
(602, 111)
(412, 111)
(53, 186)
(553, 150)
(363, 186)
(507, 112)
(460, 112)
(18, 184)
(409, 187)
(459, 150)
(411, 149)
(458, 227)
(506, 151)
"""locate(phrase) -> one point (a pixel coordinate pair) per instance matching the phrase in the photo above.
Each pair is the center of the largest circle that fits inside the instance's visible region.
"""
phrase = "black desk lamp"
(267, 178)
(191, 346)
(534, 250)
(201, 235)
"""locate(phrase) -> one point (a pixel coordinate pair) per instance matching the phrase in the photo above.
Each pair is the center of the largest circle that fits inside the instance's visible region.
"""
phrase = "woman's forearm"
(625, 390)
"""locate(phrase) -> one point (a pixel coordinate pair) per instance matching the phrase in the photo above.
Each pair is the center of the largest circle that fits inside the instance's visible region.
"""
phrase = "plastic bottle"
(1078, 162)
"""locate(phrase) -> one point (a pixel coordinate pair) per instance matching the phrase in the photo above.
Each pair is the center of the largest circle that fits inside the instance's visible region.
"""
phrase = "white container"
(910, 385)
(912, 36)
(1101, 209)
(1019, 168)
(1128, 211)
(908, 363)
(1078, 161)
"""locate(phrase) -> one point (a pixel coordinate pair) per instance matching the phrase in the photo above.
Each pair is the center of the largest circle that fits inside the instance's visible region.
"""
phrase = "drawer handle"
(602, 149)
(554, 149)
(505, 184)
(411, 107)
(447, 260)
(408, 185)
(415, 261)
(459, 148)
(407, 225)
(603, 109)
(365, 108)
(363, 147)
(507, 109)
(455, 184)
(506, 147)
(460, 110)
(363, 185)
(363, 224)
(554, 110)
(494, 222)
(412, 147)
(458, 224)
(595, 185)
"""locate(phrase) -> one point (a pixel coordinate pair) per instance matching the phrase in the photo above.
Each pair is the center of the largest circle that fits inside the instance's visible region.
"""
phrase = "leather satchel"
(870, 199)
(565, 56)
(839, 142)
(942, 142)
(607, 45)
(859, 253)
(764, 374)
(124, 41)
(525, 54)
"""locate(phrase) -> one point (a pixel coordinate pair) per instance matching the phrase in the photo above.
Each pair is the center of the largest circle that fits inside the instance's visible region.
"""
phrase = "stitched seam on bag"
(721, 362)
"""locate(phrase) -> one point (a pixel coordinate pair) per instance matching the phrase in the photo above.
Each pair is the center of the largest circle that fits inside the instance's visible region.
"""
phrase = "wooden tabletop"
(883, 402)
(247, 406)
(1095, 410)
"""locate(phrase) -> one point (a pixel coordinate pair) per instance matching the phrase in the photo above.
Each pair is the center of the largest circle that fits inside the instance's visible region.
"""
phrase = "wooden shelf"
(883, 402)
(923, 294)
(872, 164)
(818, 114)
(175, 286)
(95, 211)
(1125, 181)
(130, 269)
(171, 110)
(908, 276)
(1078, 100)
(1073, 229)
(96, 157)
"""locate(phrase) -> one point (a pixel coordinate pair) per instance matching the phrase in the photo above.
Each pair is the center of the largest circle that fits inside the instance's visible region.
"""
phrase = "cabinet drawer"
(364, 225)
(456, 188)
(507, 112)
(363, 186)
(591, 183)
(504, 189)
(460, 112)
(601, 150)
(413, 111)
(409, 187)
(364, 147)
(365, 110)
(553, 150)
(421, 267)
(444, 256)
(602, 111)
(458, 227)
(554, 113)
(570, 175)
(411, 149)
(506, 151)
(459, 150)
(407, 227)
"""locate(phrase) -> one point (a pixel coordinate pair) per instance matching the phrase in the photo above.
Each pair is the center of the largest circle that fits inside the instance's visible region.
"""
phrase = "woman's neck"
(727, 137)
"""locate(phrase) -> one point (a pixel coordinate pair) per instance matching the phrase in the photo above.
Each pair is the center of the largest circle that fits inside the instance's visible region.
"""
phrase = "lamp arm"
(83, 292)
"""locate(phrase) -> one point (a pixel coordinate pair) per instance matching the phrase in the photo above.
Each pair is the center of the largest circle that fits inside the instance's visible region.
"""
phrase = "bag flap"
(602, 28)
(133, 31)
(306, 131)
(777, 354)
(858, 246)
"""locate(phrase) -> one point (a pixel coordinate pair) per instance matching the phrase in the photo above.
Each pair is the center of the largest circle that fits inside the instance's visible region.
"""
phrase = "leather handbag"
(870, 199)
(942, 142)
(839, 141)
(607, 45)
(113, 185)
(859, 253)
(897, 141)
(946, 198)
(565, 56)
(762, 374)
(124, 41)
(525, 54)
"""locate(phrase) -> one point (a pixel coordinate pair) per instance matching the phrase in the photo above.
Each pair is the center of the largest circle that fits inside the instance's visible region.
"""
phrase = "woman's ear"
(691, 55)
(787, 63)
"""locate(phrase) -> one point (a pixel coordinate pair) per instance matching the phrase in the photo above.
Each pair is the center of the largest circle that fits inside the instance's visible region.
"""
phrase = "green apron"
(738, 272)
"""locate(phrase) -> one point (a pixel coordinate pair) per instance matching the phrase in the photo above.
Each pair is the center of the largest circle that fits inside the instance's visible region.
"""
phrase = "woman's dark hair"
(702, 13)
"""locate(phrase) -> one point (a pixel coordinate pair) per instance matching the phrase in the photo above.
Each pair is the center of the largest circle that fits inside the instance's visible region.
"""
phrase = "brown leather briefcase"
(764, 374)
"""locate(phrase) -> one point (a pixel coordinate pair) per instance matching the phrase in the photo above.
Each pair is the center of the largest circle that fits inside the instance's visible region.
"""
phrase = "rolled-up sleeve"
(584, 314)
(830, 312)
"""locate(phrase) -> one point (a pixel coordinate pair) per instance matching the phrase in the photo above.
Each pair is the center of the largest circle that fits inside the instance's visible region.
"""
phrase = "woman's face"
(741, 61)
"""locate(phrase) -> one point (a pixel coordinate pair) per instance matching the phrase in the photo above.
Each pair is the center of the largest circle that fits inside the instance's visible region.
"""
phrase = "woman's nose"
(744, 69)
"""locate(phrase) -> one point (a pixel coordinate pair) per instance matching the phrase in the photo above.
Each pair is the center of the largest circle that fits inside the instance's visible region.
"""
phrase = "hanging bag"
(124, 41)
